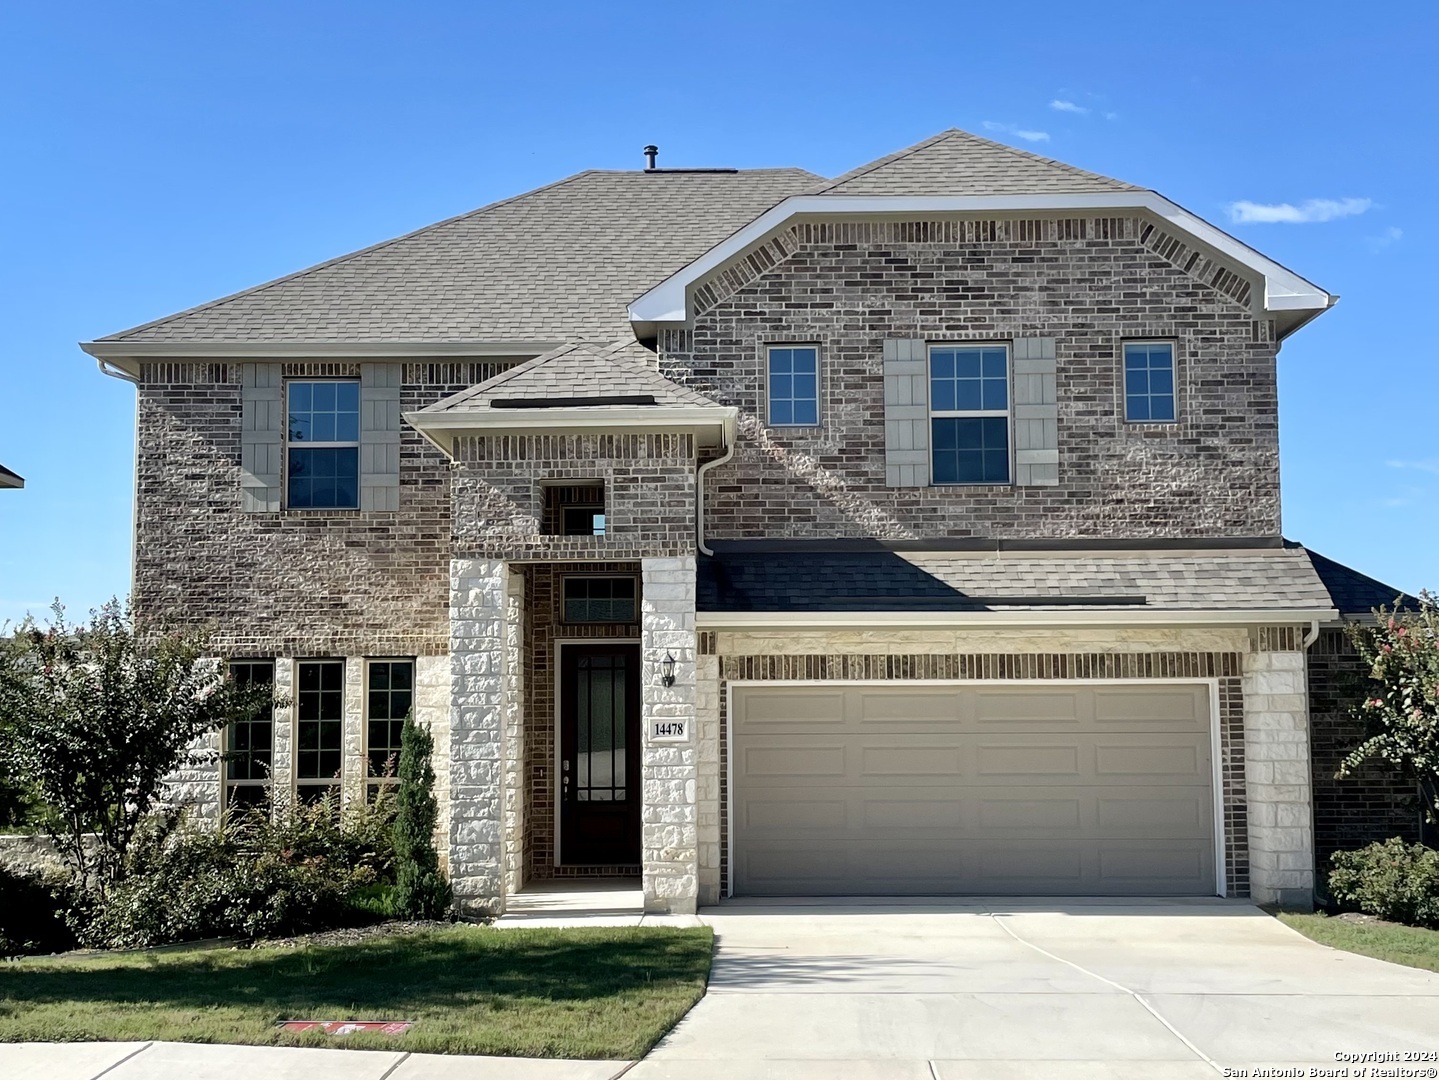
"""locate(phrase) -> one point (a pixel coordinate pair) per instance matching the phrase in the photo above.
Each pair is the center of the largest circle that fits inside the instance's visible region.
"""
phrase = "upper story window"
(322, 452)
(1149, 382)
(969, 414)
(793, 385)
(575, 509)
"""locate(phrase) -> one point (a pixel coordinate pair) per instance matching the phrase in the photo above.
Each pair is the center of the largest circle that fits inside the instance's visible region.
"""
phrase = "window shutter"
(380, 436)
(262, 436)
(1036, 413)
(906, 413)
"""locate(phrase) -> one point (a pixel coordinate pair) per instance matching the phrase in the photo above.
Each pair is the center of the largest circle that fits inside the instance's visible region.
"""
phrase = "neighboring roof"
(575, 387)
(1239, 582)
(1355, 593)
(556, 264)
(955, 162)
(9, 479)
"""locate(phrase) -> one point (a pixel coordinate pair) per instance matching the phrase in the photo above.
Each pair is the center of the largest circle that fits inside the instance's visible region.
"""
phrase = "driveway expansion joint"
(116, 1064)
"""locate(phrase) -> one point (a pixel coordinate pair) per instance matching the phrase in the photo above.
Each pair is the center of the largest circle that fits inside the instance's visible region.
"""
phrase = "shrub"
(421, 890)
(32, 914)
(1391, 880)
(255, 877)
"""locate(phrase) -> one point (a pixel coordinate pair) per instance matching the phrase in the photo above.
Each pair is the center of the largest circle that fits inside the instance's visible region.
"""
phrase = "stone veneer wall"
(541, 660)
(878, 655)
(669, 771)
(1374, 805)
(499, 504)
(1089, 283)
(296, 582)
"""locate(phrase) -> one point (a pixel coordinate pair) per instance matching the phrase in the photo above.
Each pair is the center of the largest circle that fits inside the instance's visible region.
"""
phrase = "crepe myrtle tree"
(98, 715)
(1400, 712)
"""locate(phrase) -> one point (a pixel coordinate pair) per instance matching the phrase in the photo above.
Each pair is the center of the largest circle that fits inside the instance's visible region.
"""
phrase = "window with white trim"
(793, 376)
(322, 444)
(389, 698)
(1149, 382)
(319, 728)
(969, 414)
(250, 743)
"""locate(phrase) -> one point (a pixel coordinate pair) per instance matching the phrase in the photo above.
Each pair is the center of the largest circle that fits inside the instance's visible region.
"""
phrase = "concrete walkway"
(935, 990)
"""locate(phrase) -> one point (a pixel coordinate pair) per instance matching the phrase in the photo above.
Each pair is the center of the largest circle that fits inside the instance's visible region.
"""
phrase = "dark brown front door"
(600, 754)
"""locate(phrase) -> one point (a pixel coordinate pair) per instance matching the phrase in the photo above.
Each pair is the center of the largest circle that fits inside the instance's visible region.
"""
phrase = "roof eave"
(1070, 617)
(441, 429)
(128, 355)
(668, 302)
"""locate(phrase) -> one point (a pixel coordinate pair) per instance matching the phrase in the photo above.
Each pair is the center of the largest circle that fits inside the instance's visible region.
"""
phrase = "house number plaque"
(669, 730)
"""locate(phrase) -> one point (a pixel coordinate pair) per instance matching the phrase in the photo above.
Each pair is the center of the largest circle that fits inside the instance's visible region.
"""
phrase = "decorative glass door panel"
(599, 754)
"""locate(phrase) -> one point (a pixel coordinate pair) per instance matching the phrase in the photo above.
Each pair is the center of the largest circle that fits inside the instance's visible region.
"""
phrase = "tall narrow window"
(969, 414)
(390, 697)
(250, 743)
(319, 728)
(1149, 382)
(793, 385)
(322, 452)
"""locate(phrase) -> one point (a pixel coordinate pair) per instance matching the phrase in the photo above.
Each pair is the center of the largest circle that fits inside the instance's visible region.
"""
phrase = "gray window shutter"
(262, 436)
(906, 413)
(1036, 413)
(380, 436)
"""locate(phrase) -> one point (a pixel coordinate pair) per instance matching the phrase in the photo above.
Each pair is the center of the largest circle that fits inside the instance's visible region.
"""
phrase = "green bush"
(421, 890)
(1390, 880)
(255, 877)
(32, 914)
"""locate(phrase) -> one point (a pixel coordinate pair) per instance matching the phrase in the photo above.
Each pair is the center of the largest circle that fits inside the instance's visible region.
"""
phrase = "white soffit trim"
(444, 427)
(1284, 290)
(128, 355)
(794, 620)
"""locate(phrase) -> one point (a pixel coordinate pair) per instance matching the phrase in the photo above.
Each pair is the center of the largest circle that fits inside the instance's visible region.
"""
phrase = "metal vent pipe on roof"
(651, 152)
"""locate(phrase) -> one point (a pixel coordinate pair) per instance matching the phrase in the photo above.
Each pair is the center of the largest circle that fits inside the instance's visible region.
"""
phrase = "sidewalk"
(196, 1061)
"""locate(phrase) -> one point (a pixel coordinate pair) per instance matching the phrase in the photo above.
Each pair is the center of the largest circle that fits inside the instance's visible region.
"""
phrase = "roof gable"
(955, 162)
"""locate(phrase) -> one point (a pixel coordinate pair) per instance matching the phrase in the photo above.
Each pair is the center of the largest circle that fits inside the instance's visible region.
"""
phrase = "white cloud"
(1245, 212)
(1111, 116)
(1059, 105)
(1384, 239)
(1017, 131)
(1429, 465)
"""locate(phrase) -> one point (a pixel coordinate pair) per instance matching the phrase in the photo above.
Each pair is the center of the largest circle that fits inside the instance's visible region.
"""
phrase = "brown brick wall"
(294, 583)
(542, 590)
(1372, 806)
(1088, 283)
(499, 503)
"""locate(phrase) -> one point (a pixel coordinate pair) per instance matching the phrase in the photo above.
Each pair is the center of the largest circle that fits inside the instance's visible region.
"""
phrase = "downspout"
(115, 373)
(700, 490)
(1312, 634)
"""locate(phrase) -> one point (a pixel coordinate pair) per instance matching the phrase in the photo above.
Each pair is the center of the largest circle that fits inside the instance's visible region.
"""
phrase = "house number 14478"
(668, 731)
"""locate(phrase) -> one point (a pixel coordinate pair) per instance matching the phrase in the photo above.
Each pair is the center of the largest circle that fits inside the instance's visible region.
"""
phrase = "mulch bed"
(348, 935)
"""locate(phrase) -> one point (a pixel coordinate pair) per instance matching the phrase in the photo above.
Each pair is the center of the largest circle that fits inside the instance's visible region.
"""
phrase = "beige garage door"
(963, 789)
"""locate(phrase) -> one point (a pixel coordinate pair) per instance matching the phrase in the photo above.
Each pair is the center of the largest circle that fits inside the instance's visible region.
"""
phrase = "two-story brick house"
(752, 533)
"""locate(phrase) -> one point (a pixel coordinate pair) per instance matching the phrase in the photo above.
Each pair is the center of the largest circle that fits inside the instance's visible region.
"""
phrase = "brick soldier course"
(504, 367)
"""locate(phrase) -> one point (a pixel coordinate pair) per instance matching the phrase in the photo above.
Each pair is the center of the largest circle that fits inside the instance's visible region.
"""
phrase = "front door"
(600, 754)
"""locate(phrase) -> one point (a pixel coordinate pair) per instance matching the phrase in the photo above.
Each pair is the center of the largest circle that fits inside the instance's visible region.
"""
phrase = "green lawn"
(583, 993)
(1409, 945)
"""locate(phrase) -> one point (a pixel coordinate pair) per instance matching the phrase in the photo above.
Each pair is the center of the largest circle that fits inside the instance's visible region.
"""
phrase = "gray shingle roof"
(1355, 593)
(558, 263)
(10, 479)
(955, 162)
(576, 371)
(1242, 580)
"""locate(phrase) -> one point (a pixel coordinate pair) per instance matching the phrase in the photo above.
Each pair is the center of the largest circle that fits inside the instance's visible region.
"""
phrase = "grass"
(1409, 945)
(582, 993)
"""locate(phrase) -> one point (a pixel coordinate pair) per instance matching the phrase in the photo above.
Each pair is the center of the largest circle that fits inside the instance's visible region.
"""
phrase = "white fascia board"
(439, 428)
(1285, 290)
(128, 354)
(794, 620)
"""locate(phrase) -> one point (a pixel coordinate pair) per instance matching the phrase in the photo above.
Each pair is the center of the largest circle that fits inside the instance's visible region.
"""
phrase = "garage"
(972, 789)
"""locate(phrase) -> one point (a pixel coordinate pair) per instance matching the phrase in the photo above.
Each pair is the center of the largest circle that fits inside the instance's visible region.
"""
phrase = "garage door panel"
(777, 710)
(908, 791)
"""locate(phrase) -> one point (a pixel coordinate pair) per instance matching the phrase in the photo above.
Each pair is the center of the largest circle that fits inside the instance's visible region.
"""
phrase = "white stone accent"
(432, 711)
(669, 772)
(282, 761)
(352, 759)
(1277, 782)
(479, 657)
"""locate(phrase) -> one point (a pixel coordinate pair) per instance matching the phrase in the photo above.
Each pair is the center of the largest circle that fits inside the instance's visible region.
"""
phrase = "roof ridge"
(326, 264)
(888, 159)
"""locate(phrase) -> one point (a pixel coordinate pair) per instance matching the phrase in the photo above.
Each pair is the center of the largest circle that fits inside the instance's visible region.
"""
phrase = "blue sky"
(158, 155)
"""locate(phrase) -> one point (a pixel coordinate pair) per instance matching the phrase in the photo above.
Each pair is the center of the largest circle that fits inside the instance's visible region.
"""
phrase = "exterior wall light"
(668, 663)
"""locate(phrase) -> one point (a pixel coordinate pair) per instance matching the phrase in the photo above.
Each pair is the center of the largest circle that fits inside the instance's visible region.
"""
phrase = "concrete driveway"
(1062, 991)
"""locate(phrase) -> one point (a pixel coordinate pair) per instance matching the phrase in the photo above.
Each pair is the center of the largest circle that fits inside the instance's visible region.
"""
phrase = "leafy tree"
(99, 715)
(1400, 714)
(421, 891)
